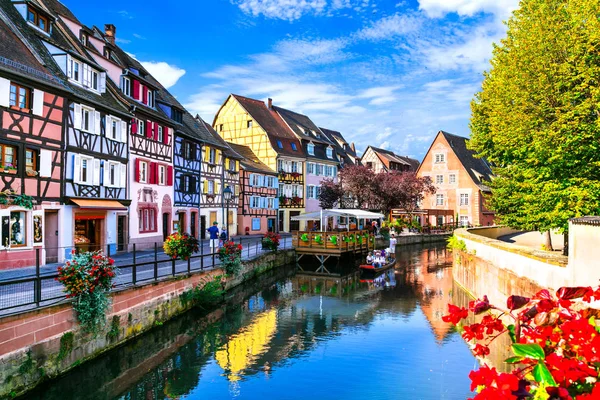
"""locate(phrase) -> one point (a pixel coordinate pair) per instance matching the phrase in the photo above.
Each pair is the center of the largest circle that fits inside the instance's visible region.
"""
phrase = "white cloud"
(390, 27)
(314, 52)
(138, 36)
(439, 8)
(166, 74)
(122, 41)
(125, 14)
(281, 9)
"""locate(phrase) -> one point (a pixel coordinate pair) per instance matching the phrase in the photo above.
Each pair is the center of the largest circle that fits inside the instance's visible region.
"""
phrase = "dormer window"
(294, 147)
(84, 39)
(311, 149)
(126, 86)
(329, 152)
(150, 102)
(249, 124)
(84, 75)
(279, 144)
(177, 115)
(107, 52)
(38, 20)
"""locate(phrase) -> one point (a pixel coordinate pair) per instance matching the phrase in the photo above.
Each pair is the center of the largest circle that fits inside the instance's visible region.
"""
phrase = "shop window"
(20, 96)
(18, 229)
(9, 157)
(147, 220)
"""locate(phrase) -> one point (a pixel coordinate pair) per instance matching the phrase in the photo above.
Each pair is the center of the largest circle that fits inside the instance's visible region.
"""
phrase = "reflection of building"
(459, 178)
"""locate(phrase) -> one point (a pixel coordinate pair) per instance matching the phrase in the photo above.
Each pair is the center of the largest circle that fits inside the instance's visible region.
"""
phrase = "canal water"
(298, 336)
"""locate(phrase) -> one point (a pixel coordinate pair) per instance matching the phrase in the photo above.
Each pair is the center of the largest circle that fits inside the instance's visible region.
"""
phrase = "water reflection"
(336, 336)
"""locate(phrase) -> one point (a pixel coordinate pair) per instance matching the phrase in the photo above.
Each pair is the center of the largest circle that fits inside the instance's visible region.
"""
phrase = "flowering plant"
(87, 278)
(555, 342)
(180, 245)
(231, 257)
(271, 241)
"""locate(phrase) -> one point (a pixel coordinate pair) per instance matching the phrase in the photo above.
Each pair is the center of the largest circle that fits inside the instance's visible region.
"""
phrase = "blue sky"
(388, 73)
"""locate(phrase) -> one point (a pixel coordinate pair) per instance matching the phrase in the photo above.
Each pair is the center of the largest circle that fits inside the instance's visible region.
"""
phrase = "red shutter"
(137, 169)
(136, 89)
(156, 131)
(152, 177)
(170, 175)
(149, 130)
(145, 92)
(165, 135)
(133, 126)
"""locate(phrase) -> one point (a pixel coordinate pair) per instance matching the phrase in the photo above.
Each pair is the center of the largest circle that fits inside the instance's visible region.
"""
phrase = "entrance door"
(281, 221)
(203, 227)
(121, 221)
(270, 224)
(193, 224)
(213, 218)
(51, 236)
(294, 225)
(165, 224)
(182, 227)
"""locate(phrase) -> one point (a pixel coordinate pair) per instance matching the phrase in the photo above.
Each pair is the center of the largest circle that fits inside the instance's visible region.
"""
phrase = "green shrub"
(454, 243)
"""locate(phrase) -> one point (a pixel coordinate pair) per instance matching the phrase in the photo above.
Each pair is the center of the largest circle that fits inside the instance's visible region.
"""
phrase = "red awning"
(92, 204)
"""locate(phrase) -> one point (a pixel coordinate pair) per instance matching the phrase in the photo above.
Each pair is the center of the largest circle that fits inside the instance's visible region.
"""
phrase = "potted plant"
(9, 169)
(270, 241)
(180, 246)
(31, 172)
(231, 257)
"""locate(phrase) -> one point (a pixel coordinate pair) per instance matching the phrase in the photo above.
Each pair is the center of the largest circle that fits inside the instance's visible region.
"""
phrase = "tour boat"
(370, 267)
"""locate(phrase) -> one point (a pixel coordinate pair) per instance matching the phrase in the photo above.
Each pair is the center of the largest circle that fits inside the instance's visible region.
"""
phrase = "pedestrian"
(223, 235)
(393, 242)
(214, 236)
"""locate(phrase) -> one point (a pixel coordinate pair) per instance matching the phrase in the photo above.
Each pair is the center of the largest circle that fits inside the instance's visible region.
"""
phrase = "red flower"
(516, 302)
(480, 306)
(558, 393)
(480, 350)
(455, 314)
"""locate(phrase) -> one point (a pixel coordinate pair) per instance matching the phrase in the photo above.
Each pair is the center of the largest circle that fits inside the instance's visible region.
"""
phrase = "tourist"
(393, 242)
(214, 236)
(375, 230)
(370, 258)
(223, 236)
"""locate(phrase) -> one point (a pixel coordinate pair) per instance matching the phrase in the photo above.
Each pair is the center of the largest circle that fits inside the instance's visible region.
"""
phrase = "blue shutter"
(276, 204)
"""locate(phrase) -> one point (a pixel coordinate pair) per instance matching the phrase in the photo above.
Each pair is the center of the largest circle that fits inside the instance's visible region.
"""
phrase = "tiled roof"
(320, 151)
(388, 157)
(218, 140)
(58, 8)
(342, 147)
(250, 162)
(273, 124)
(302, 126)
(478, 168)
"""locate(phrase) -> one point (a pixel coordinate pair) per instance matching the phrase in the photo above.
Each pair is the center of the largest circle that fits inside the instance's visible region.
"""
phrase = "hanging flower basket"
(304, 237)
(319, 239)
(333, 240)
(180, 246)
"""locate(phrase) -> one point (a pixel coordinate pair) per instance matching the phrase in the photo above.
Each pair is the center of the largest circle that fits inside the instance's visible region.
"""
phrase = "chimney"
(110, 31)
(270, 103)
(352, 147)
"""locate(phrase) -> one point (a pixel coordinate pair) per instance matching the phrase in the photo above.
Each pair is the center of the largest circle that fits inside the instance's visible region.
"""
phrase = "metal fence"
(24, 291)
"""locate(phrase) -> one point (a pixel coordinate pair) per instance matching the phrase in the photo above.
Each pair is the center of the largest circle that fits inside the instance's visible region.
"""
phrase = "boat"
(371, 268)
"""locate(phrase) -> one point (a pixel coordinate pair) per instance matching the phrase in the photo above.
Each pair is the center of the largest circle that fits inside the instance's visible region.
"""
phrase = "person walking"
(214, 236)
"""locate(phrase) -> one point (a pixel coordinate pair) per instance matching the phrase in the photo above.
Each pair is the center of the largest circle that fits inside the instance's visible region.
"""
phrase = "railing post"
(213, 254)
(173, 271)
(189, 260)
(38, 281)
(134, 268)
(201, 255)
(155, 261)
(108, 250)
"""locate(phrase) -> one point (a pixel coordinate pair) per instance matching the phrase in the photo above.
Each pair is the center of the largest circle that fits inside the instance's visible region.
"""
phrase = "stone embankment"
(46, 342)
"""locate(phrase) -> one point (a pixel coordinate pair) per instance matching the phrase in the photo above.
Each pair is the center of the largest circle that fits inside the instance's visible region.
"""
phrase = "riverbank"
(47, 342)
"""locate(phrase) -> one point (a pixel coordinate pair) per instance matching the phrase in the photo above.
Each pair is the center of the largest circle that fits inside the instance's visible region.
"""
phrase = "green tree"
(536, 117)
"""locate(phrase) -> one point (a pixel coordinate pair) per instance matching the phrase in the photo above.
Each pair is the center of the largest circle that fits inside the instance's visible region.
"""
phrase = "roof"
(59, 8)
(387, 157)
(250, 162)
(274, 126)
(317, 215)
(302, 126)
(343, 149)
(218, 140)
(478, 168)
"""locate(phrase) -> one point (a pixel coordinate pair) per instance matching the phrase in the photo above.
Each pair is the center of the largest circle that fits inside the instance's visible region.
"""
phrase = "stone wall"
(47, 342)
(421, 239)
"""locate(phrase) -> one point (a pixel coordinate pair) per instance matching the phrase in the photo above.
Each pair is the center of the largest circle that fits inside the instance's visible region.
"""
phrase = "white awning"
(317, 215)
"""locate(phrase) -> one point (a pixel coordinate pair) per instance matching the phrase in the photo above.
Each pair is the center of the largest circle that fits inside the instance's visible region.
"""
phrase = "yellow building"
(253, 123)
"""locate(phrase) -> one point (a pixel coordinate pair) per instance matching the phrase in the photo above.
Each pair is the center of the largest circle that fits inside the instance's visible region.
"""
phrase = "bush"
(555, 343)
(205, 296)
(231, 257)
(87, 278)
(271, 241)
(454, 243)
(180, 245)
(385, 232)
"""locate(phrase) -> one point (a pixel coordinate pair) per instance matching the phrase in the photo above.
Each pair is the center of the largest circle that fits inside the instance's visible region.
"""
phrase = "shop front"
(96, 225)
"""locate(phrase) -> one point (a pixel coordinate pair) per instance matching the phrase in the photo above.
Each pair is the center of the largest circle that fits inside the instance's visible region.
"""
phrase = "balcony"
(290, 177)
(291, 202)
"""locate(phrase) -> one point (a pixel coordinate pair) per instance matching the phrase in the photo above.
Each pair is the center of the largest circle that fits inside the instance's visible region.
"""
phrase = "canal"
(298, 336)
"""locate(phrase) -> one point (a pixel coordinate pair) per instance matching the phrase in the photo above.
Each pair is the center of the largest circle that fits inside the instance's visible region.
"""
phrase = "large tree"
(536, 117)
(402, 190)
(358, 183)
(331, 194)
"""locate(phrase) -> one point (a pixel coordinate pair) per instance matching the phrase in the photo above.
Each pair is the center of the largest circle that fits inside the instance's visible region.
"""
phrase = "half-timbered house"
(32, 106)
(346, 151)
(253, 123)
(258, 199)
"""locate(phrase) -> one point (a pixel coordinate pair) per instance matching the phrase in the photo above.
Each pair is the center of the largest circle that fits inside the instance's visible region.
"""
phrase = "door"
(281, 221)
(193, 224)
(213, 218)
(51, 236)
(165, 222)
(182, 227)
(294, 225)
(203, 227)
(271, 224)
(121, 221)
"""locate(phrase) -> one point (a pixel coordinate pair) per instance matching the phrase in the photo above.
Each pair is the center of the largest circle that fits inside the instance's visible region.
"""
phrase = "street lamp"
(227, 194)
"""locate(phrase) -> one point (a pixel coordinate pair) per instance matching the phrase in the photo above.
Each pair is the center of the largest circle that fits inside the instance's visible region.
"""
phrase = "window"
(464, 199)
(271, 202)
(255, 180)
(18, 229)
(254, 202)
(464, 220)
(147, 220)
(221, 128)
(369, 165)
(279, 144)
(86, 170)
(143, 172)
(311, 149)
(439, 199)
(452, 178)
(281, 191)
(83, 74)
(296, 191)
(310, 168)
(150, 102)
(212, 157)
(188, 149)
(84, 40)
(113, 128)
(177, 115)
(329, 152)
(162, 175)
(232, 164)
(188, 184)
(31, 160)
(211, 187)
(126, 86)
(295, 166)
(106, 52)
(114, 174)
(256, 224)
(310, 192)
(141, 127)
(9, 156)
(87, 116)
(38, 20)
(271, 182)
(160, 135)
(20, 96)
(249, 124)
(440, 158)
(439, 179)
(294, 147)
